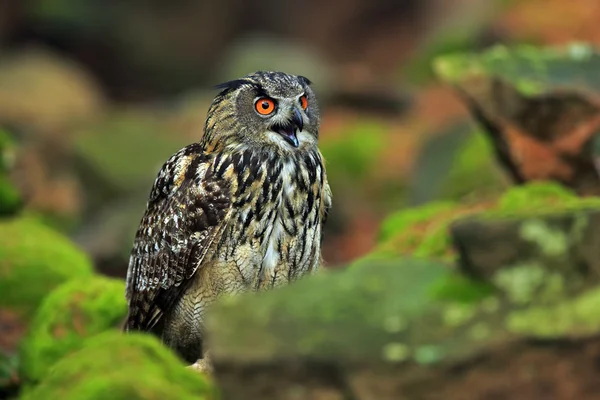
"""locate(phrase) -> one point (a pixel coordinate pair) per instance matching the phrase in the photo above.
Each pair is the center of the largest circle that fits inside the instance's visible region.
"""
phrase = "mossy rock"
(389, 311)
(351, 158)
(420, 231)
(539, 198)
(72, 312)
(530, 69)
(34, 259)
(473, 171)
(424, 231)
(108, 146)
(43, 91)
(121, 366)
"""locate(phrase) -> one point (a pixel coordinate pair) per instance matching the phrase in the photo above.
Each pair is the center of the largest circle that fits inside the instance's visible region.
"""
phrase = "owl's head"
(264, 110)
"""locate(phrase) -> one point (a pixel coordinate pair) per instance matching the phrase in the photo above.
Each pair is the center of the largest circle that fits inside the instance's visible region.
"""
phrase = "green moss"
(571, 317)
(531, 69)
(353, 313)
(402, 220)
(10, 198)
(540, 198)
(351, 158)
(75, 310)
(420, 231)
(121, 366)
(458, 288)
(34, 259)
(535, 195)
(473, 170)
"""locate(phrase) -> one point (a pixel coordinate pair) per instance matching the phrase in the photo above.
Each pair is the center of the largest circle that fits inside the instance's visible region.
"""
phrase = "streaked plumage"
(242, 210)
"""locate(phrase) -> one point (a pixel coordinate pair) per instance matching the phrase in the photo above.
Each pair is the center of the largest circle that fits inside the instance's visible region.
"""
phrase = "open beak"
(289, 130)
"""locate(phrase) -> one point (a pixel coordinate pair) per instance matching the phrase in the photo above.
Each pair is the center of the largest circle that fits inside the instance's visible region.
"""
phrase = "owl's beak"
(289, 130)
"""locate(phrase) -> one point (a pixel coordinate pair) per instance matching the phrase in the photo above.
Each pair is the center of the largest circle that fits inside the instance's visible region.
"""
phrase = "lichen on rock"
(34, 259)
(72, 312)
(121, 366)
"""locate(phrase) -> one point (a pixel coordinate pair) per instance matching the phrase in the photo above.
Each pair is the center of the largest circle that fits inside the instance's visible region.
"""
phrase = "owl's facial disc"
(289, 129)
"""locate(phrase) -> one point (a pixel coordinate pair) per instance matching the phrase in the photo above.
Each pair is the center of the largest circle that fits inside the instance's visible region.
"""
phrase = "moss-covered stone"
(420, 231)
(388, 311)
(401, 220)
(34, 259)
(539, 198)
(568, 318)
(474, 171)
(72, 312)
(424, 231)
(121, 366)
(351, 158)
(109, 144)
(530, 68)
(41, 90)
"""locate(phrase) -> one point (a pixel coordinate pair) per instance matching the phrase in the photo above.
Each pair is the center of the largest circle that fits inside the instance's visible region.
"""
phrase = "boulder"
(34, 259)
(121, 366)
(72, 312)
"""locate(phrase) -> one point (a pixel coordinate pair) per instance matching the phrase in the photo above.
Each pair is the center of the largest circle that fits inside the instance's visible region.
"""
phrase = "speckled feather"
(239, 211)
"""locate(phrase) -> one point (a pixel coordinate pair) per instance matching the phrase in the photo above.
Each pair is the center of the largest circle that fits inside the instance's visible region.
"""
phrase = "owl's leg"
(203, 365)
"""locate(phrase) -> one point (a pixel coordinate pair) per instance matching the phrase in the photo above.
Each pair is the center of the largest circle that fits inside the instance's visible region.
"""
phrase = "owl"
(240, 211)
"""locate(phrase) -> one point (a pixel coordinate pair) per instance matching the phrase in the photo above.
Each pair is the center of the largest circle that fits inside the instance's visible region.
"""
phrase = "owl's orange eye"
(264, 106)
(304, 102)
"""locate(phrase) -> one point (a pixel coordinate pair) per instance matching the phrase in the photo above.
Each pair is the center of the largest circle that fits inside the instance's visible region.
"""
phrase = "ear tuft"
(305, 80)
(229, 86)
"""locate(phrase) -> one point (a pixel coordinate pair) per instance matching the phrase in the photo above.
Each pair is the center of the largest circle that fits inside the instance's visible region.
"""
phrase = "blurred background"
(96, 95)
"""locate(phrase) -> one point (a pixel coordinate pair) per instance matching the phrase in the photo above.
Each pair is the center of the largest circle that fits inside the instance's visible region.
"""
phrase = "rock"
(353, 157)
(72, 312)
(389, 328)
(541, 103)
(108, 145)
(34, 259)
(473, 170)
(455, 164)
(419, 231)
(128, 366)
(424, 231)
(41, 91)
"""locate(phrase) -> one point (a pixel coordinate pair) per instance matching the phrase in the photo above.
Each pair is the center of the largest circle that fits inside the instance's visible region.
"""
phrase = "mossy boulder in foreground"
(74, 311)
(425, 231)
(387, 328)
(121, 366)
(34, 259)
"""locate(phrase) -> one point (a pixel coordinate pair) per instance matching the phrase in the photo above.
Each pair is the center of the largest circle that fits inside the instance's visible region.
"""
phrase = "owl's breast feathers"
(202, 201)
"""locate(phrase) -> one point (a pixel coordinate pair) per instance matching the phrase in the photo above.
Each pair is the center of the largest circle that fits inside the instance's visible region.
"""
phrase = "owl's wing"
(186, 211)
